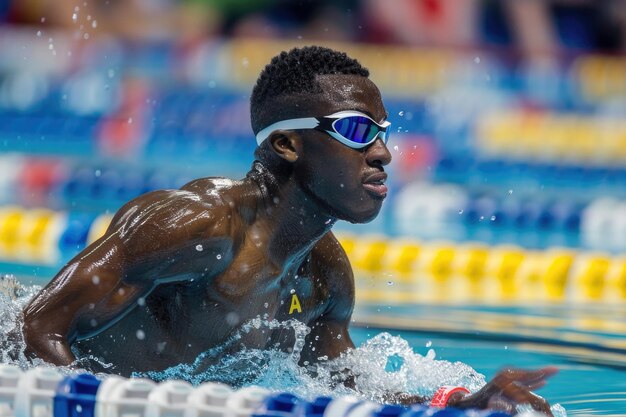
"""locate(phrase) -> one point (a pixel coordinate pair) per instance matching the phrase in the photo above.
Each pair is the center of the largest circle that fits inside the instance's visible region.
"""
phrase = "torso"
(179, 320)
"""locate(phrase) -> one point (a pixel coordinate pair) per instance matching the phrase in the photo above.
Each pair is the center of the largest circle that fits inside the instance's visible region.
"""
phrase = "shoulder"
(202, 208)
(330, 256)
(331, 265)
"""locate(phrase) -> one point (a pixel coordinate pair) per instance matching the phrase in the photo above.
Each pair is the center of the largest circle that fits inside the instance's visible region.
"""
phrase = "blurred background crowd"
(533, 27)
(508, 116)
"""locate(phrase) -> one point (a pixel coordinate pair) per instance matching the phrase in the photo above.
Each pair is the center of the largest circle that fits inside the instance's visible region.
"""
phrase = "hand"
(509, 388)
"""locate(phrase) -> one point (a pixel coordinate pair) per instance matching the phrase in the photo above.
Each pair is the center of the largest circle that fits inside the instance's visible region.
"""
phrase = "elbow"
(39, 332)
(44, 341)
(34, 334)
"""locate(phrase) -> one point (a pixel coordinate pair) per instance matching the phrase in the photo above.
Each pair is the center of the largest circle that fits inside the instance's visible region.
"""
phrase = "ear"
(286, 144)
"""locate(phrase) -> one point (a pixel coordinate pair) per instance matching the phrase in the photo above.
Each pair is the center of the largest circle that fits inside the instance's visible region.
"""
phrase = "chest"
(253, 287)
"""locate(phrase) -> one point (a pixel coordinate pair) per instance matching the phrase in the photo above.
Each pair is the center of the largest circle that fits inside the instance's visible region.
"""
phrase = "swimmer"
(179, 271)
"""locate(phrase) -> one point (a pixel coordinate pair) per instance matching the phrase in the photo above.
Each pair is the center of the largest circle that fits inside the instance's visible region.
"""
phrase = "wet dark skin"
(179, 271)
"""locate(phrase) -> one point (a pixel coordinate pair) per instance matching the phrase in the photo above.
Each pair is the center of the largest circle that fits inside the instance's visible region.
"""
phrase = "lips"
(375, 184)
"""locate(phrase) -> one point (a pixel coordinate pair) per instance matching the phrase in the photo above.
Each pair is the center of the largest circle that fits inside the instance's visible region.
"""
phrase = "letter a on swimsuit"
(295, 304)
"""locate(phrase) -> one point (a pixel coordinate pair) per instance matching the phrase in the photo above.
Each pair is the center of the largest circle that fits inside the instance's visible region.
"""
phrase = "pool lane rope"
(45, 392)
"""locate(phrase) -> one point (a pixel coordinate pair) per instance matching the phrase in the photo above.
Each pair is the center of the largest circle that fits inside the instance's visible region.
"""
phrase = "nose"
(378, 154)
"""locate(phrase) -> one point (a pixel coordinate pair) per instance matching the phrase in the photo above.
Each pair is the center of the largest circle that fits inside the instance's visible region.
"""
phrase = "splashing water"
(13, 298)
(384, 364)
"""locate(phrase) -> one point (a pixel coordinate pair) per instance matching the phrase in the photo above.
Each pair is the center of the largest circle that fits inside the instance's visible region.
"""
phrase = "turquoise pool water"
(591, 361)
(430, 339)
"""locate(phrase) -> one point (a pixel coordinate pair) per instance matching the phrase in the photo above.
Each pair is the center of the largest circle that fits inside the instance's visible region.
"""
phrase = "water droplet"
(292, 291)
(460, 211)
(395, 148)
(88, 17)
(477, 60)
(218, 256)
(328, 221)
(276, 200)
(481, 218)
(94, 24)
(86, 36)
(130, 120)
(338, 336)
(43, 19)
(429, 343)
(97, 173)
(141, 301)
(111, 73)
(93, 322)
(492, 218)
(390, 283)
(401, 113)
(75, 17)
(266, 305)
(341, 185)
(232, 318)
(95, 279)
(140, 334)
(199, 248)
(510, 192)
(39, 33)
(51, 47)
(431, 354)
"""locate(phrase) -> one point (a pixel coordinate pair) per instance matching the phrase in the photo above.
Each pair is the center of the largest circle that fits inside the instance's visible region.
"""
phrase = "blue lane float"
(45, 392)
(75, 396)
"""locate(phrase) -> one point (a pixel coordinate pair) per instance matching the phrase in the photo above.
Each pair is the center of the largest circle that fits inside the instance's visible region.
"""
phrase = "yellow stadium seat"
(555, 277)
(98, 228)
(402, 257)
(441, 265)
(474, 264)
(10, 224)
(591, 276)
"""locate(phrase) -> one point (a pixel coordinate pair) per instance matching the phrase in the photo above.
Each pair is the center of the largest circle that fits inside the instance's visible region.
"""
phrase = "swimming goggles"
(352, 128)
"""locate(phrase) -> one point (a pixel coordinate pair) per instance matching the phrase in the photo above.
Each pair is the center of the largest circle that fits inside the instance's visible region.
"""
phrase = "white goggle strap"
(311, 122)
(291, 124)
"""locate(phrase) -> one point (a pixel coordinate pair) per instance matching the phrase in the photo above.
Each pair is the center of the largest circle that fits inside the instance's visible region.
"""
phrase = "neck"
(294, 221)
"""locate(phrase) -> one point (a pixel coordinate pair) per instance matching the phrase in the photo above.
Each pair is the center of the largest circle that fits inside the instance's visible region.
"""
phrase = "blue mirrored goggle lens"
(358, 129)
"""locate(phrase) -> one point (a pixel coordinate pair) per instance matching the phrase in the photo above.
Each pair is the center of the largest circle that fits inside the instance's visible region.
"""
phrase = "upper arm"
(145, 237)
(329, 336)
(80, 292)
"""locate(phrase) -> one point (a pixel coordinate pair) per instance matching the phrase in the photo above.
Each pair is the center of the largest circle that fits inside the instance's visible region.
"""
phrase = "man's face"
(349, 182)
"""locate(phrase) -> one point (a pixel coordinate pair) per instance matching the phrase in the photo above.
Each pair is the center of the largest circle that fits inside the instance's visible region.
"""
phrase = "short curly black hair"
(294, 73)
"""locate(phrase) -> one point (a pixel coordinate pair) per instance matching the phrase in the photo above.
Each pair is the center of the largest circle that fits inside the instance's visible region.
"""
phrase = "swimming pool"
(591, 361)
(480, 191)
(386, 362)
